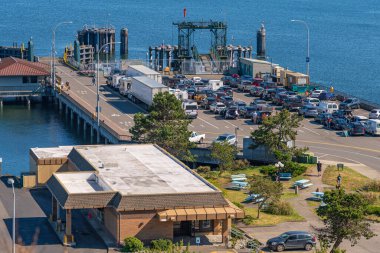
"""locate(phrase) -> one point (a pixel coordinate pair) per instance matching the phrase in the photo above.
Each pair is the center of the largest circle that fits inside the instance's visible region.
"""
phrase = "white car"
(374, 114)
(229, 138)
(316, 93)
(311, 101)
(361, 119)
(217, 107)
(195, 137)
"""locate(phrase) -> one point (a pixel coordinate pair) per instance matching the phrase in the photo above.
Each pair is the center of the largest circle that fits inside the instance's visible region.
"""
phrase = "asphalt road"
(118, 112)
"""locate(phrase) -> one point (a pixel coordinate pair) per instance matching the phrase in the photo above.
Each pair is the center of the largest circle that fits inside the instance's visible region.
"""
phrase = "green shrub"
(203, 169)
(373, 210)
(248, 219)
(295, 168)
(161, 244)
(370, 197)
(268, 170)
(373, 186)
(279, 208)
(241, 164)
(338, 251)
(132, 244)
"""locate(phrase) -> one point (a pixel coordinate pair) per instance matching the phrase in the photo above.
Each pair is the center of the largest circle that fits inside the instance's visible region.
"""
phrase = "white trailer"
(141, 70)
(143, 89)
(215, 84)
(125, 83)
(115, 81)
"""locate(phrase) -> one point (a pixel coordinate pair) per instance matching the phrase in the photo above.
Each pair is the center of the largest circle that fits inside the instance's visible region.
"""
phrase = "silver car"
(229, 138)
(374, 114)
(308, 111)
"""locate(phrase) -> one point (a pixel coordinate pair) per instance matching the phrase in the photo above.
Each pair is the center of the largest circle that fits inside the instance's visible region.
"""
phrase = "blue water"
(344, 33)
(22, 128)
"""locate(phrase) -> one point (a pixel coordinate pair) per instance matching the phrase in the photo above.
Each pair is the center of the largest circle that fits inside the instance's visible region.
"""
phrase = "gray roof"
(149, 82)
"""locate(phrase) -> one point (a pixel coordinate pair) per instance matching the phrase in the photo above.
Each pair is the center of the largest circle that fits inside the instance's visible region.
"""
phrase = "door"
(291, 242)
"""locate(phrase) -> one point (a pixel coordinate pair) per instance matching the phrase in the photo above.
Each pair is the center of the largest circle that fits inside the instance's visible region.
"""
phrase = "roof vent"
(100, 165)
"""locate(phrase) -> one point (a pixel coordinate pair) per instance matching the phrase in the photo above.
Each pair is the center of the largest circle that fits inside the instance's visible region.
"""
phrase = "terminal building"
(132, 190)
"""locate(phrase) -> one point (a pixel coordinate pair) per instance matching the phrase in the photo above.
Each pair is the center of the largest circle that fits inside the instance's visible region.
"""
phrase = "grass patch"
(351, 180)
(266, 219)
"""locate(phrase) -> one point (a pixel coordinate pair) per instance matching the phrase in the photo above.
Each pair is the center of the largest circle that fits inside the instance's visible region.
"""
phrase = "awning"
(211, 213)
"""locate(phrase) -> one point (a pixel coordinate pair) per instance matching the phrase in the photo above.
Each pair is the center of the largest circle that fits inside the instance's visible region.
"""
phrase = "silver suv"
(292, 240)
(374, 114)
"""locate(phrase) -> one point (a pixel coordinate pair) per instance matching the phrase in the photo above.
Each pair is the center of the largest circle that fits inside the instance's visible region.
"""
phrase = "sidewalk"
(300, 204)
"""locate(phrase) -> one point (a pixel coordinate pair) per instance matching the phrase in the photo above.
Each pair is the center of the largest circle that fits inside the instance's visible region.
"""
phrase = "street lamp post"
(12, 182)
(308, 45)
(236, 136)
(97, 89)
(53, 52)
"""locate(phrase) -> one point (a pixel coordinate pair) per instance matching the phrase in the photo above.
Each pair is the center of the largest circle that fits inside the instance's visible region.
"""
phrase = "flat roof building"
(138, 190)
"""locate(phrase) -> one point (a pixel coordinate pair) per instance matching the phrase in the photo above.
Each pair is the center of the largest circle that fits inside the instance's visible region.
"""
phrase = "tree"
(344, 218)
(132, 244)
(225, 154)
(276, 131)
(267, 190)
(166, 125)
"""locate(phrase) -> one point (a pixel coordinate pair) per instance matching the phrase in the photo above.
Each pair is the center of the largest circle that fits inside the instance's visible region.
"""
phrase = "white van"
(191, 108)
(328, 107)
(372, 126)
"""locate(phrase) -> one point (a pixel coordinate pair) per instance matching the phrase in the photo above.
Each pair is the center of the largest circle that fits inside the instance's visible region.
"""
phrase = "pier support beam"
(1, 103)
(71, 118)
(92, 133)
(78, 123)
(98, 135)
(60, 105)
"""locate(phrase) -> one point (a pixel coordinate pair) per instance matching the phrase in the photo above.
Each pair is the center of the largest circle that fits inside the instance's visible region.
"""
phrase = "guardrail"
(104, 122)
(341, 96)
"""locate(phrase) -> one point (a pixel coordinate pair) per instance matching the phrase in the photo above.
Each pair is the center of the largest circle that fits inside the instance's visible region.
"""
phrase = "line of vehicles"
(140, 84)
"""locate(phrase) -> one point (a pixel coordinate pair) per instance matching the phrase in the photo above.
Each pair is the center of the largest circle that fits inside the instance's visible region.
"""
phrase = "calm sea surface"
(345, 44)
(22, 128)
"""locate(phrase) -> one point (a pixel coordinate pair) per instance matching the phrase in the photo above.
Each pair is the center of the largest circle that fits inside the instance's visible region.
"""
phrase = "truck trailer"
(142, 89)
(141, 70)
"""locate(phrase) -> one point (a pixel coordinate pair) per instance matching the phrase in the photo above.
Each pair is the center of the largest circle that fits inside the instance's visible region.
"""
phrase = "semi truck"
(142, 89)
(141, 70)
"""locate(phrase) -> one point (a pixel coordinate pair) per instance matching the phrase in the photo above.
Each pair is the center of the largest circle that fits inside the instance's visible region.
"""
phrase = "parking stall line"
(208, 123)
(312, 131)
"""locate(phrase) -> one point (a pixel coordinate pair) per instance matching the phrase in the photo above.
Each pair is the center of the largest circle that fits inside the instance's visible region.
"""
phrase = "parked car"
(308, 111)
(196, 137)
(226, 90)
(311, 101)
(347, 114)
(316, 93)
(327, 96)
(372, 127)
(261, 115)
(217, 107)
(268, 94)
(259, 104)
(245, 85)
(350, 103)
(227, 100)
(229, 138)
(207, 102)
(247, 112)
(356, 128)
(227, 80)
(339, 124)
(231, 113)
(280, 98)
(293, 103)
(256, 91)
(321, 118)
(359, 119)
(329, 107)
(374, 114)
(292, 240)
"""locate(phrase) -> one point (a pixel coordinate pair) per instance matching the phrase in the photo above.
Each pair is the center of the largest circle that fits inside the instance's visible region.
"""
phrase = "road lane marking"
(340, 145)
(314, 132)
(230, 123)
(226, 126)
(208, 123)
(301, 131)
(349, 152)
(202, 125)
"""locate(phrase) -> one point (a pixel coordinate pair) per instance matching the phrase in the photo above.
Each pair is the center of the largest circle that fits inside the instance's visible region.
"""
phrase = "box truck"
(142, 89)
